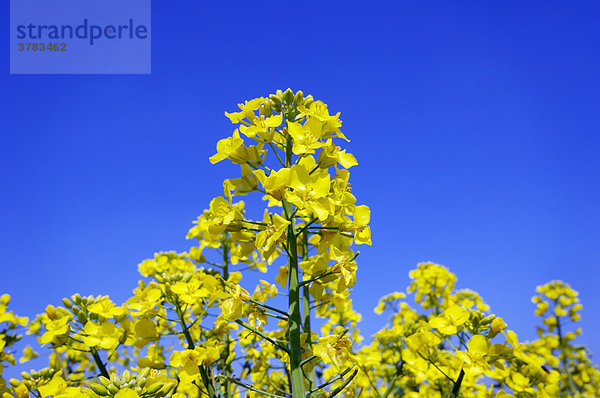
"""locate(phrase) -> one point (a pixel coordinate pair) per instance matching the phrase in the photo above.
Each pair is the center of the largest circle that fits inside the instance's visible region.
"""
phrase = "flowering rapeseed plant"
(451, 347)
(191, 329)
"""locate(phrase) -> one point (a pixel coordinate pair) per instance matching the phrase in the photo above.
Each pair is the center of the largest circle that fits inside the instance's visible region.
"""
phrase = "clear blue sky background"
(475, 124)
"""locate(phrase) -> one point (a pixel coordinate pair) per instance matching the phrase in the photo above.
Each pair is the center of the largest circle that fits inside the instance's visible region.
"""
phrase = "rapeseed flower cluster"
(192, 328)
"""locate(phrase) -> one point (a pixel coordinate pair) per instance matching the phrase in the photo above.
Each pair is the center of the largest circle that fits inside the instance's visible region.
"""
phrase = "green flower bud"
(308, 100)
(298, 98)
(288, 96)
(276, 101)
(113, 389)
(123, 337)
(100, 390)
(154, 387)
(25, 376)
(67, 303)
(126, 376)
(76, 298)
(165, 390)
(265, 109)
(144, 373)
(104, 381)
(167, 288)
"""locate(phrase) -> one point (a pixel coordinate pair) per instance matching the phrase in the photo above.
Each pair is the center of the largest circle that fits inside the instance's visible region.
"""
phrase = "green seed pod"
(298, 98)
(288, 96)
(100, 390)
(154, 387)
(104, 381)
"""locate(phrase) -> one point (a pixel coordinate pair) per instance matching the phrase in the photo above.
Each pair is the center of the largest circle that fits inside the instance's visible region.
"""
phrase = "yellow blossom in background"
(28, 353)
(450, 320)
(58, 388)
(104, 335)
(332, 349)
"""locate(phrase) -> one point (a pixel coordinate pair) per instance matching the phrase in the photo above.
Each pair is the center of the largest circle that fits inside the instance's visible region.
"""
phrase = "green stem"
(307, 226)
(563, 356)
(276, 154)
(307, 360)
(204, 372)
(311, 376)
(264, 336)
(391, 386)
(306, 282)
(295, 320)
(99, 363)
(268, 307)
(226, 367)
(437, 367)
(186, 331)
(338, 377)
(343, 385)
(248, 387)
(225, 258)
(456, 387)
(373, 386)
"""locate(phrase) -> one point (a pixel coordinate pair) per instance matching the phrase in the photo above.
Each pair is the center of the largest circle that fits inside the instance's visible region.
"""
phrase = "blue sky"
(475, 124)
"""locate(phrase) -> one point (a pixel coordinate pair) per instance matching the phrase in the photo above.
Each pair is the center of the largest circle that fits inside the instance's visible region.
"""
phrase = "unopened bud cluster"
(111, 387)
